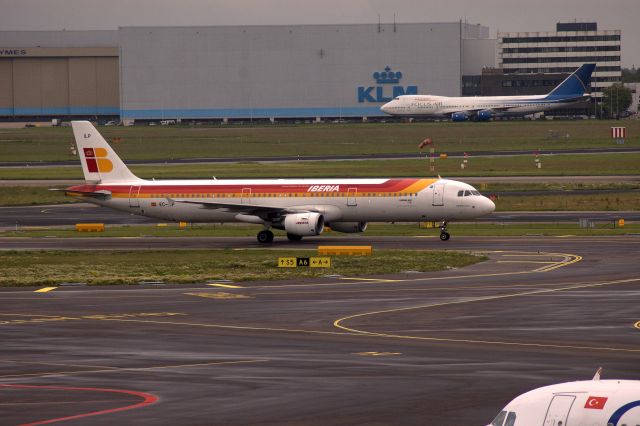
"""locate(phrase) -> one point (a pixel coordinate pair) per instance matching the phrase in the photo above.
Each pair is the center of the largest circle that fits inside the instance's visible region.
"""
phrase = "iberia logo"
(97, 160)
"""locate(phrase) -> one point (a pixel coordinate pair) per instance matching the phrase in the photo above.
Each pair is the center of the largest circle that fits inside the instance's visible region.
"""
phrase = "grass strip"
(523, 165)
(162, 142)
(19, 268)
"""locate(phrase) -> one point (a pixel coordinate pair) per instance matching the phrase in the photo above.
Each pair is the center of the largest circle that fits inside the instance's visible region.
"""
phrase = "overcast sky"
(499, 15)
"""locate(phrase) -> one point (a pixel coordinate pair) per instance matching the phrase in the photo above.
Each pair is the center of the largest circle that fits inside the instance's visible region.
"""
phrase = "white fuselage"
(584, 403)
(444, 106)
(343, 200)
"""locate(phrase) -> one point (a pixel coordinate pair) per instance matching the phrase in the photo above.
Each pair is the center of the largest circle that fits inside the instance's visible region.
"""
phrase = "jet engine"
(459, 116)
(485, 115)
(348, 227)
(304, 224)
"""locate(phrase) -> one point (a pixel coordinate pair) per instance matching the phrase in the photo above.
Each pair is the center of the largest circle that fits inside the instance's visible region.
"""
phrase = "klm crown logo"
(380, 93)
(387, 76)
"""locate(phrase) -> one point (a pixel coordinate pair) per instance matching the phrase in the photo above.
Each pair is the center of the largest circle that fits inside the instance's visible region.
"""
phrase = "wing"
(265, 212)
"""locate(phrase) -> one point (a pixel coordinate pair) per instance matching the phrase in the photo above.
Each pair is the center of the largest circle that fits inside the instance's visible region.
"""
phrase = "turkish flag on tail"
(596, 402)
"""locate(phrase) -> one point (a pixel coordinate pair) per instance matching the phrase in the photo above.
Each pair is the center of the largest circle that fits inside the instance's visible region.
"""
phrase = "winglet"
(598, 374)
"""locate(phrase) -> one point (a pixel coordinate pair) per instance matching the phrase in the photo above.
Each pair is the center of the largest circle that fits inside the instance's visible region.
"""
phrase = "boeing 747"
(483, 108)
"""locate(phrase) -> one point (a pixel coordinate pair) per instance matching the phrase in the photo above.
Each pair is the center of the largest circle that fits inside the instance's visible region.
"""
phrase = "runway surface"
(445, 348)
(70, 214)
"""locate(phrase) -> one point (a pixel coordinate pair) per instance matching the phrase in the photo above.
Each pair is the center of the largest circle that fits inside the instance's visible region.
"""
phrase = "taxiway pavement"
(70, 214)
(445, 348)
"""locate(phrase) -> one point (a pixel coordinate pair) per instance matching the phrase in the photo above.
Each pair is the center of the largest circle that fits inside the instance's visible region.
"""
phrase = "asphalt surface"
(283, 159)
(445, 348)
(70, 214)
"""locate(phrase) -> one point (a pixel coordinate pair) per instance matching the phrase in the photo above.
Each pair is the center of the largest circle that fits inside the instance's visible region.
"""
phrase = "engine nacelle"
(304, 224)
(348, 227)
(485, 115)
(459, 116)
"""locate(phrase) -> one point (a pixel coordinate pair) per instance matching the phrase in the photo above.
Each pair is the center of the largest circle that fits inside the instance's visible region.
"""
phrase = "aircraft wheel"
(265, 236)
(293, 237)
(444, 236)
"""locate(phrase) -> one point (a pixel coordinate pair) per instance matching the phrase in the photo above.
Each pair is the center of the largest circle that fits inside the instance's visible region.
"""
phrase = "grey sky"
(502, 15)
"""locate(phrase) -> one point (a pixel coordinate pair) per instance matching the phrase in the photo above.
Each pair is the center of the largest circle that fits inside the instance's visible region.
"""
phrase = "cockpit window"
(460, 193)
(467, 193)
(511, 419)
(499, 419)
(474, 192)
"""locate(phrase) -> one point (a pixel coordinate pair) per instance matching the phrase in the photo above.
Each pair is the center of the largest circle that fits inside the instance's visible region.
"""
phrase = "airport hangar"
(234, 72)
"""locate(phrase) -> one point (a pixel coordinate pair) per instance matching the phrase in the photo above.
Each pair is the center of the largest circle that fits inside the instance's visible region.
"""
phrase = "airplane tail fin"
(574, 85)
(99, 162)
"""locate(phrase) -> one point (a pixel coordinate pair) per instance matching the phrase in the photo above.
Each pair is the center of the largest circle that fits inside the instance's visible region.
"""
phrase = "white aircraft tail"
(99, 162)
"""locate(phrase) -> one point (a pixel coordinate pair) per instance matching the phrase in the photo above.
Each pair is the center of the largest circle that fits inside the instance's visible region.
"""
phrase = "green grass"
(572, 201)
(553, 165)
(374, 229)
(30, 195)
(161, 143)
(188, 266)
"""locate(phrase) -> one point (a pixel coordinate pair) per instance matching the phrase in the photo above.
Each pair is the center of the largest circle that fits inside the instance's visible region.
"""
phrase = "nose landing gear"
(444, 235)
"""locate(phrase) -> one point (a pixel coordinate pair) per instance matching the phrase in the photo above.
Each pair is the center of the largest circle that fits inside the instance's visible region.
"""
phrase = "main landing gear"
(265, 236)
(444, 235)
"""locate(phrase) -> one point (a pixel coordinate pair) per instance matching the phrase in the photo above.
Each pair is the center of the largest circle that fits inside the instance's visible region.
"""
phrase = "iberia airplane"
(301, 207)
(585, 403)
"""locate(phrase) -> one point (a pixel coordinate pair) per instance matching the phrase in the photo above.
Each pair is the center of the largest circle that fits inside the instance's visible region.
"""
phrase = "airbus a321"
(585, 403)
(300, 207)
(484, 108)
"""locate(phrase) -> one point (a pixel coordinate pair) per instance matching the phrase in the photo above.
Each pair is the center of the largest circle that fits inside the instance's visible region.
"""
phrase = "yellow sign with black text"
(312, 262)
(287, 262)
(320, 262)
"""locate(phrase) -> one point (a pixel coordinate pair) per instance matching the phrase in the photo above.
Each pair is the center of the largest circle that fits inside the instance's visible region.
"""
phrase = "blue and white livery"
(483, 108)
(585, 403)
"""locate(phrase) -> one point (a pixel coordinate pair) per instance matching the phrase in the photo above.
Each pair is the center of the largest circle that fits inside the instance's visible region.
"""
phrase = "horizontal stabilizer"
(100, 195)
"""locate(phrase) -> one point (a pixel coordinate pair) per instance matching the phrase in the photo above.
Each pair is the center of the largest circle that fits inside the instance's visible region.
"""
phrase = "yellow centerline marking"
(219, 295)
(232, 327)
(525, 261)
(377, 353)
(380, 280)
(338, 323)
(45, 289)
(637, 325)
(124, 369)
(224, 285)
(566, 262)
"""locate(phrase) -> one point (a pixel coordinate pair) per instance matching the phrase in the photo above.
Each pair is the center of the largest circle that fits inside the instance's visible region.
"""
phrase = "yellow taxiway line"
(45, 289)
(339, 322)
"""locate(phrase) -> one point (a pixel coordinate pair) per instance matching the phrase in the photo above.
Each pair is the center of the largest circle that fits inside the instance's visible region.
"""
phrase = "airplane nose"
(385, 108)
(489, 206)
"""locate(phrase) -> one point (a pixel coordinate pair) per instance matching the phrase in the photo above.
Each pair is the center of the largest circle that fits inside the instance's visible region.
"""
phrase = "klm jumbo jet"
(484, 108)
